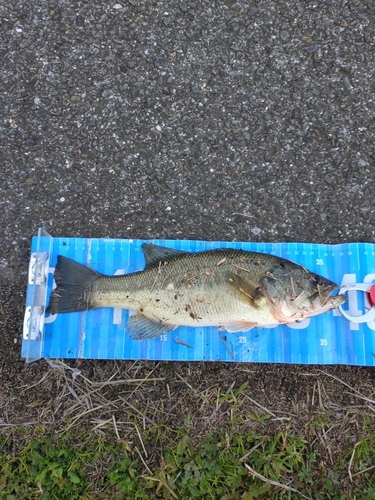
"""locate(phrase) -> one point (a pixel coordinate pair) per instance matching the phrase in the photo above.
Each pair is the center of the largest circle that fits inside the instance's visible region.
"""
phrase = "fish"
(233, 290)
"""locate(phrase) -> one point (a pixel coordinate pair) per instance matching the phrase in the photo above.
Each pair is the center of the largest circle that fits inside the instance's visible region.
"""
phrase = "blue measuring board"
(101, 333)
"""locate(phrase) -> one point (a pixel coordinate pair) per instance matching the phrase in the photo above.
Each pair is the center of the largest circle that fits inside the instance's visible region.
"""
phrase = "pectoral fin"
(243, 290)
(141, 328)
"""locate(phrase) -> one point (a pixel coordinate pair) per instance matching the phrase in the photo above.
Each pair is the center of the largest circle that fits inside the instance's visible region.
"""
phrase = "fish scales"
(186, 289)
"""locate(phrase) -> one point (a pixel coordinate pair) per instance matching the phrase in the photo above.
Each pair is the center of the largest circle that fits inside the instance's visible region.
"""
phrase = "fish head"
(294, 293)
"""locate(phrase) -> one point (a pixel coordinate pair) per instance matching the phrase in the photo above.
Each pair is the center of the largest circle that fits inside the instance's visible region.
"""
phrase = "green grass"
(90, 465)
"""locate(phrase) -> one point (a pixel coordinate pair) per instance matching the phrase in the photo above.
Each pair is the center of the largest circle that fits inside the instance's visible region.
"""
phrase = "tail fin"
(74, 287)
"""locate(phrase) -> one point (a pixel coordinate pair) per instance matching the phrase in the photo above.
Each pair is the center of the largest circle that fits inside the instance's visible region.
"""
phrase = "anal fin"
(142, 328)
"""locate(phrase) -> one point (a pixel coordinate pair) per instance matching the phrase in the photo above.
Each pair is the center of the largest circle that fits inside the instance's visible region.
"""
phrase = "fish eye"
(318, 280)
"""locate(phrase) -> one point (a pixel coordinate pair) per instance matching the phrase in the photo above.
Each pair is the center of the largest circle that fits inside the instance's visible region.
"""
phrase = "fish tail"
(74, 287)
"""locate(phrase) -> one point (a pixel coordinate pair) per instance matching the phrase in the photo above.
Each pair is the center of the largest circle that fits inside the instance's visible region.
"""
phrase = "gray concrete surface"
(247, 120)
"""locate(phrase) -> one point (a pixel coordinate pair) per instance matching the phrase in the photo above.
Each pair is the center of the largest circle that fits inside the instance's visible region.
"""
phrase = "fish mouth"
(334, 301)
(322, 296)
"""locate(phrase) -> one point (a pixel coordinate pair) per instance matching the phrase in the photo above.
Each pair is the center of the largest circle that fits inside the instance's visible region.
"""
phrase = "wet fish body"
(234, 290)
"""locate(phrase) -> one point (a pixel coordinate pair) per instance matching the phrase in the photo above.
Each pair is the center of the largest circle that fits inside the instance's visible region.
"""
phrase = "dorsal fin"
(155, 254)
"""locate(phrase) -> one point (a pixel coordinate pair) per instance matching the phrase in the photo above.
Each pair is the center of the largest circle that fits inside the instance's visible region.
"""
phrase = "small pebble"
(284, 35)
(312, 48)
(332, 233)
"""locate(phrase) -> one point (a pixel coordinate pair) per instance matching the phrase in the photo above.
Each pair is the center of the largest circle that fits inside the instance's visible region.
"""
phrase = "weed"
(320, 421)
(228, 464)
(257, 417)
(44, 469)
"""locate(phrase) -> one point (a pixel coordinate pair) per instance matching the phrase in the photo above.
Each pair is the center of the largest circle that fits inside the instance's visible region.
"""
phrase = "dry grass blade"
(102, 423)
(139, 412)
(23, 424)
(148, 377)
(351, 462)
(230, 352)
(243, 215)
(57, 364)
(142, 459)
(140, 440)
(242, 459)
(274, 483)
(260, 406)
(181, 342)
(84, 413)
(325, 443)
(126, 381)
(163, 483)
(115, 427)
(187, 383)
(28, 387)
(321, 406)
(363, 471)
(355, 392)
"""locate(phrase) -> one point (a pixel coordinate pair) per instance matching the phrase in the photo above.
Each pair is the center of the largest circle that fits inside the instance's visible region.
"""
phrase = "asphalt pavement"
(214, 120)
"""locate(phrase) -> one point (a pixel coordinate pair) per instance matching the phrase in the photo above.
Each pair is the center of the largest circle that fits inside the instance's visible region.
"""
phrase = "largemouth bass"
(235, 290)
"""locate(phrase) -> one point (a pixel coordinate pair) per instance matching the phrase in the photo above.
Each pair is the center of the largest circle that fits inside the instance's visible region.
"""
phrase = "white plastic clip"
(33, 323)
(38, 268)
(362, 287)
